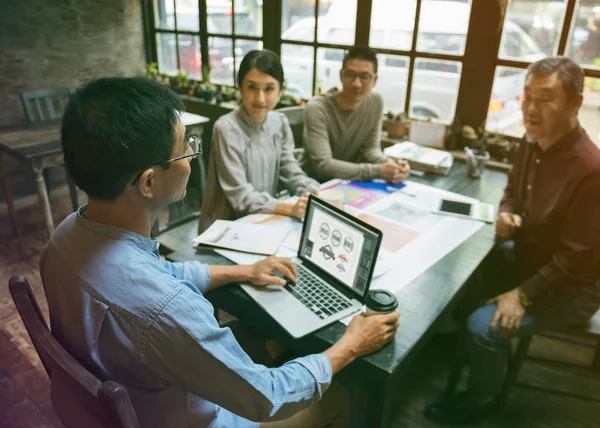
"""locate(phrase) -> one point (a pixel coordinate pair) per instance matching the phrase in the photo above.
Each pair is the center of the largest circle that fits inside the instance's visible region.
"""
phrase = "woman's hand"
(299, 208)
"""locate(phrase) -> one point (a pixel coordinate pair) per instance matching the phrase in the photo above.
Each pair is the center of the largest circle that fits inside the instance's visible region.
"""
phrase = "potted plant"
(228, 93)
(396, 125)
(288, 100)
(205, 91)
(499, 147)
(180, 83)
(494, 143)
(152, 71)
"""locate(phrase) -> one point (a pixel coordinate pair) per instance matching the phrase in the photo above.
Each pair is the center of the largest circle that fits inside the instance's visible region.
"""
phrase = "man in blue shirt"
(129, 316)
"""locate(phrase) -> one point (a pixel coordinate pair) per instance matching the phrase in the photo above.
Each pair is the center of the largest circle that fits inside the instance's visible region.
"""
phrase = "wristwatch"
(523, 298)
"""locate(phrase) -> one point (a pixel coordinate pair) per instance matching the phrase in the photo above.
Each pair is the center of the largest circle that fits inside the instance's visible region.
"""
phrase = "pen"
(404, 192)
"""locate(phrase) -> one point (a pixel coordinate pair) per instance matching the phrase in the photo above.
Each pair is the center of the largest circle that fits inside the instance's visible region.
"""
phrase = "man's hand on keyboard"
(268, 271)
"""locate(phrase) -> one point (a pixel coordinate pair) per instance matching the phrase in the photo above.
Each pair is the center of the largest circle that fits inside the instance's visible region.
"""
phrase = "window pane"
(393, 76)
(220, 16)
(298, 20)
(589, 115)
(167, 53)
(443, 26)
(220, 51)
(392, 24)
(242, 47)
(187, 15)
(584, 43)
(248, 17)
(298, 68)
(504, 110)
(531, 29)
(163, 14)
(329, 64)
(337, 22)
(435, 89)
(189, 56)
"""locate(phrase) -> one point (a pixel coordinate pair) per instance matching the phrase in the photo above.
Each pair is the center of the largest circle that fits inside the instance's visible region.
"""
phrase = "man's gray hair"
(567, 71)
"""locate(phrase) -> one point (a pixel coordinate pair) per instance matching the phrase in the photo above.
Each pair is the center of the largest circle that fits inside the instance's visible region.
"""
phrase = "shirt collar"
(249, 122)
(115, 233)
(562, 144)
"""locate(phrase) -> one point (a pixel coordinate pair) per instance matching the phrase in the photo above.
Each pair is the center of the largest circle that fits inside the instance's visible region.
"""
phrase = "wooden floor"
(24, 391)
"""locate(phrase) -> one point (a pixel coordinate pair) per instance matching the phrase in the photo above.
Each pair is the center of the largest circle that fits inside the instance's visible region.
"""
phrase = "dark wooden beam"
(481, 52)
(363, 21)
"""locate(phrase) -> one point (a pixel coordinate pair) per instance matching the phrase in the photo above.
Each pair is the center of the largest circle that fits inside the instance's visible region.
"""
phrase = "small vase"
(476, 163)
(396, 129)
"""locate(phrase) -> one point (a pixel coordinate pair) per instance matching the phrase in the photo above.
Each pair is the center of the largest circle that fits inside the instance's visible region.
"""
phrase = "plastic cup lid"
(381, 301)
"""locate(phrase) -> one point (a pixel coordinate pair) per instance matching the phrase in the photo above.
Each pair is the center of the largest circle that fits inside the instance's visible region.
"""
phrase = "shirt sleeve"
(193, 271)
(578, 261)
(187, 347)
(318, 150)
(231, 174)
(371, 151)
(290, 172)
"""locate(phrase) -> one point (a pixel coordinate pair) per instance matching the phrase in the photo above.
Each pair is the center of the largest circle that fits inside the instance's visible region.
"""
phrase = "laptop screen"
(340, 245)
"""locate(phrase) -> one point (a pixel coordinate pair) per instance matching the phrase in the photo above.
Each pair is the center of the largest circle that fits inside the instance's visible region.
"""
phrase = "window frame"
(571, 6)
(151, 32)
(480, 59)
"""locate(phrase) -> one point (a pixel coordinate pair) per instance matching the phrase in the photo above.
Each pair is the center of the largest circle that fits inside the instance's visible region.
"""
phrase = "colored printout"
(414, 238)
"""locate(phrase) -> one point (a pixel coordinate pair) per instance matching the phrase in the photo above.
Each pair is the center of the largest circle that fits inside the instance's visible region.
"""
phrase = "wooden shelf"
(493, 164)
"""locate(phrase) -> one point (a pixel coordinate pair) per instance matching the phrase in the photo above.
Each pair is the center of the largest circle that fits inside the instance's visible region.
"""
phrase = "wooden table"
(421, 304)
(38, 146)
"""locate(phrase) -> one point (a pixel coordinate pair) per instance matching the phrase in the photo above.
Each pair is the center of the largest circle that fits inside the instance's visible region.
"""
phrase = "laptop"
(335, 264)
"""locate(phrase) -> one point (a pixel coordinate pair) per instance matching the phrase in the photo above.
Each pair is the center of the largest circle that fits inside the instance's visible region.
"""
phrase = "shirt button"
(537, 160)
(529, 187)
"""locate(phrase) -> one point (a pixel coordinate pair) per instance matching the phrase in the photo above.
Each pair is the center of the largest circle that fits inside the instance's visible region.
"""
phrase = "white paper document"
(411, 151)
(263, 239)
(420, 237)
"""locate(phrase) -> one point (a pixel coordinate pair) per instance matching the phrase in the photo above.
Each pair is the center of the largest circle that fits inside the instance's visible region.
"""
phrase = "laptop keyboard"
(316, 296)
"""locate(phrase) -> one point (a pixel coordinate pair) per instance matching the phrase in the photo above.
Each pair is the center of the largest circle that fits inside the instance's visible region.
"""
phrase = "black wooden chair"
(49, 104)
(78, 397)
(516, 358)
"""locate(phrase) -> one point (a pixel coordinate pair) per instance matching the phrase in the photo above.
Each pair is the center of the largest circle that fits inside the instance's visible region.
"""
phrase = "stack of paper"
(245, 237)
(421, 158)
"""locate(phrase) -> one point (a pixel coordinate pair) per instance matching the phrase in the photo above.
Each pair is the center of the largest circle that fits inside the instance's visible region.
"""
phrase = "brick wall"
(52, 43)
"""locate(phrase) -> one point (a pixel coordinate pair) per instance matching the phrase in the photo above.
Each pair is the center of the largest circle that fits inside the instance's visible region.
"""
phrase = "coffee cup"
(334, 197)
(380, 302)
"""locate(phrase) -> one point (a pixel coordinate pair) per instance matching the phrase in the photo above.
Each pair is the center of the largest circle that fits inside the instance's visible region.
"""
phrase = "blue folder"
(379, 185)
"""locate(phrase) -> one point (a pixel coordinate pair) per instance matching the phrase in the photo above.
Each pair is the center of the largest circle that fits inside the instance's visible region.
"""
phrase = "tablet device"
(473, 210)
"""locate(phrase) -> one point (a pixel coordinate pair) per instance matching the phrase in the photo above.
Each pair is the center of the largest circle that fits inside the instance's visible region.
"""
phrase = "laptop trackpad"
(272, 296)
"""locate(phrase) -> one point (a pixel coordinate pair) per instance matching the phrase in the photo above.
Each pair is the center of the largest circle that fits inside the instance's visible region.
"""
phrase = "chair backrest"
(45, 104)
(295, 116)
(79, 398)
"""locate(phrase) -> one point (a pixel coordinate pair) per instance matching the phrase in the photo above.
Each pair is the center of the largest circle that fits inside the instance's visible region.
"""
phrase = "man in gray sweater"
(342, 136)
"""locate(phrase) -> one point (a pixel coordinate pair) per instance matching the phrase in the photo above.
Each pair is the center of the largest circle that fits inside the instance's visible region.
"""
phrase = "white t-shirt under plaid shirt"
(247, 163)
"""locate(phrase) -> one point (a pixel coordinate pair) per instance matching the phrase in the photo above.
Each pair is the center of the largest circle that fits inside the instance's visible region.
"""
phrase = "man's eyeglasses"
(193, 147)
(351, 76)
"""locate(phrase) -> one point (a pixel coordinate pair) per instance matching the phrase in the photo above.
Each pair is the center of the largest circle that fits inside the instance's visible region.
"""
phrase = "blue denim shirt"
(131, 317)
